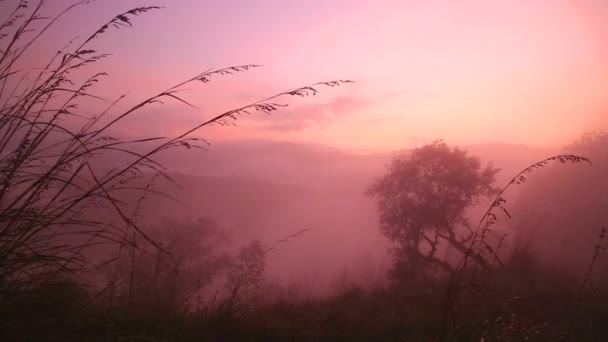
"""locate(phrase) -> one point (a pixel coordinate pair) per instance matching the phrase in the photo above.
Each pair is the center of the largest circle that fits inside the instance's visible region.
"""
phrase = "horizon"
(467, 74)
(392, 170)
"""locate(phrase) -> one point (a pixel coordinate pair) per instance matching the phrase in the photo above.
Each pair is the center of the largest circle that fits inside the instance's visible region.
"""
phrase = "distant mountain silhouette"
(294, 163)
(268, 190)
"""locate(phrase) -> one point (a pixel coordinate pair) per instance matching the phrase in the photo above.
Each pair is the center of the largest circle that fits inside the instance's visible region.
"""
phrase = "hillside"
(266, 191)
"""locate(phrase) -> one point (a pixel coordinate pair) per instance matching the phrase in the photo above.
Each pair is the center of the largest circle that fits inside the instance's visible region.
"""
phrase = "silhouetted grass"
(479, 251)
(59, 201)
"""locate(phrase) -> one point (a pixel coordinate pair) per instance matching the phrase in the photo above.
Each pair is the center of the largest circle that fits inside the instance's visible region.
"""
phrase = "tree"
(188, 259)
(422, 200)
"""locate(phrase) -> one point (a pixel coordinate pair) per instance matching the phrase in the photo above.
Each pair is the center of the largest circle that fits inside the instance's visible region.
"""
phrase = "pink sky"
(518, 71)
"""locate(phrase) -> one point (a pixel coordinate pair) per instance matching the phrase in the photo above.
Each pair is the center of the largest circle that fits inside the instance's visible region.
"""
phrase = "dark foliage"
(422, 201)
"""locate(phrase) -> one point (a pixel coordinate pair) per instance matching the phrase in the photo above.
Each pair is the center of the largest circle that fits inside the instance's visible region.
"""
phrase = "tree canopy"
(422, 199)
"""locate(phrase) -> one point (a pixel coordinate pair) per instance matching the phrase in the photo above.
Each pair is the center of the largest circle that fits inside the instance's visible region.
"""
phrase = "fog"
(265, 191)
(293, 171)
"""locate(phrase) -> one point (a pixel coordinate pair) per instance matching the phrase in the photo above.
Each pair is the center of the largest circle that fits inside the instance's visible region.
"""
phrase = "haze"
(450, 99)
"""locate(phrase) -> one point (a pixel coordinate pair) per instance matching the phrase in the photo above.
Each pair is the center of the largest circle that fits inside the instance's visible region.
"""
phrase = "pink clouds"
(316, 115)
(467, 71)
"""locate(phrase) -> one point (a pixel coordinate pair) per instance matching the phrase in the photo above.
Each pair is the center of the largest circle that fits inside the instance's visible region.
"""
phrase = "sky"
(468, 72)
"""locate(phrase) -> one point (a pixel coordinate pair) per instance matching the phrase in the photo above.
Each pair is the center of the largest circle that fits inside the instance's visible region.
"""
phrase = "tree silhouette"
(422, 200)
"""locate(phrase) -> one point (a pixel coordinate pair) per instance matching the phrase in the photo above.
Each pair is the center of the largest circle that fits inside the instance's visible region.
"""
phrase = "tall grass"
(480, 253)
(56, 195)
(59, 200)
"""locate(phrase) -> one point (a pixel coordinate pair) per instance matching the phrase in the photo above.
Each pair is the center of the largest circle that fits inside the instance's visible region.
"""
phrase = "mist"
(341, 170)
(268, 190)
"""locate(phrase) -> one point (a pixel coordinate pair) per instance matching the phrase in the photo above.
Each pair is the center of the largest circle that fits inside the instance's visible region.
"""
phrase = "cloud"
(319, 114)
